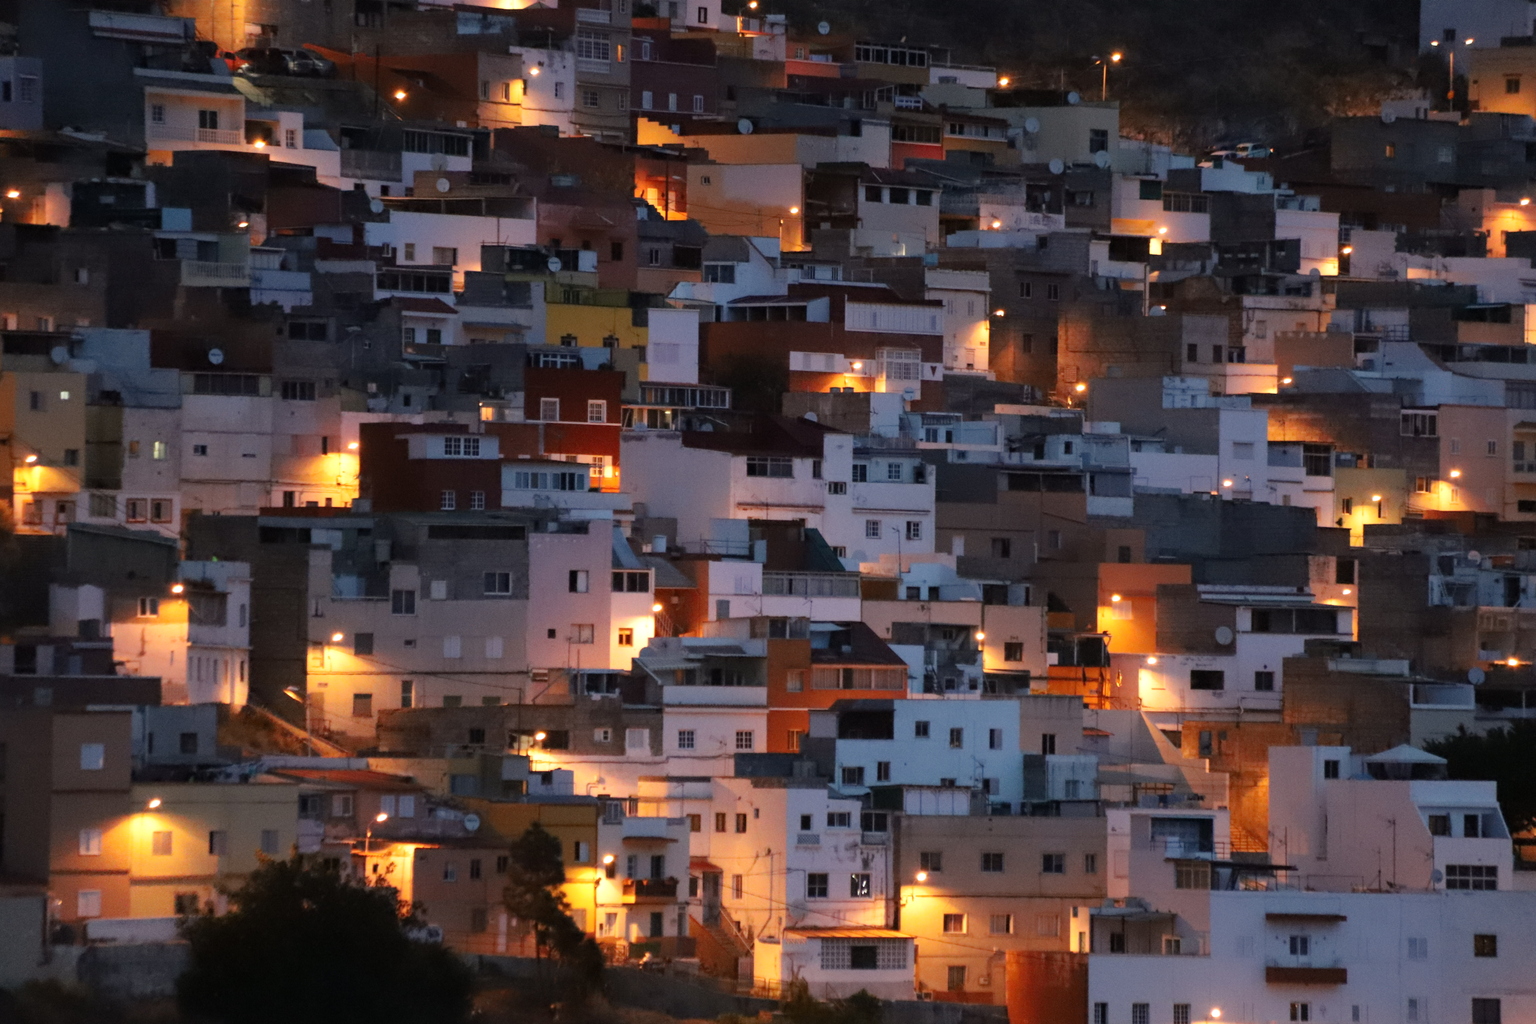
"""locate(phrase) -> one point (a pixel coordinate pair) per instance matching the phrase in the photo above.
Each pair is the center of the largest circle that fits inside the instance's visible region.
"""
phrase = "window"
(590, 99)
(815, 885)
(1013, 650)
(477, 500)
(1302, 1011)
(449, 501)
(157, 113)
(1141, 1013)
(160, 844)
(839, 819)
(199, 449)
(578, 581)
(402, 602)
(882, 771)
(1053, 863)
(362, 705)
(149, 607)
(872, 529)
(1487, 1011)
(853, 776)
(1100, 1013)
(158, 450)
(498, 582)
(743, 739)
(1098, 142)
(992, 863)
(954, 924)
(218, 842)
(994, 739)
(685, 739)
(1512, 85)
(1180, 1013)
(626, 637)
(208, 120)
(956, 738)
(582, 633)
(298, 390)
(695, 823)
(770, 465)
(1439, 824)
(90, 842)
(1301, 945)
(1478, 877)
(93, 757)
(1090, 863)
(914, 529)
(741, 823)
(1207, 679)
(269, 841)
(597, 412)
(920, 730)
(407, 692)
(1263, 681)
(720, 822)
(858, 885)
(1191, 874)
(1331, 771)
(88, 903)
(187, 742)
(1485, 945)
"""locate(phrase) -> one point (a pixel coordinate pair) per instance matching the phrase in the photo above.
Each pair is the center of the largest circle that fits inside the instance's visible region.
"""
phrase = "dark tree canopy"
(1503, 756)
(303, 945)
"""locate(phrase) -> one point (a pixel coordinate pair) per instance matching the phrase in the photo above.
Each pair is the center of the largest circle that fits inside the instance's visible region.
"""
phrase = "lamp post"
(1450, 50)
(378, 819)
(1104, 63)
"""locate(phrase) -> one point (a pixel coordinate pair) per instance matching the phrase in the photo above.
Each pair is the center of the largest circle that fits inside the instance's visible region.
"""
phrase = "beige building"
(976, 888)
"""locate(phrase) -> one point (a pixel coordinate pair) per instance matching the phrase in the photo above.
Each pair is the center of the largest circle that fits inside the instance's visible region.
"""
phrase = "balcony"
(208, 274)
(1290, 974)
(221, 136)
(650, 890)
(874, 838)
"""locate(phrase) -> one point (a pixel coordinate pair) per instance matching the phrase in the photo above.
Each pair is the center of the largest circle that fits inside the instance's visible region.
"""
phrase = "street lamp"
(1450, 50)
(1104, 63)
(378, 819)
(154, 804)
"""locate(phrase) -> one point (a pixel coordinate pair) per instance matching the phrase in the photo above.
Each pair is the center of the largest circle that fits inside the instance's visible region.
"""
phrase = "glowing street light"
(30, 460)
(656, 608)
(178, 588)
(1151, 659)
(154, 804)
(399, 94)
(980, 636)
(336, 638)
(921, 877)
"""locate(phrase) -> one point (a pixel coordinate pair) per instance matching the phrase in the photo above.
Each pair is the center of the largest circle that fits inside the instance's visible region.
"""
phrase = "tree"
(304, 945)
(535, 873)
(1502, 756)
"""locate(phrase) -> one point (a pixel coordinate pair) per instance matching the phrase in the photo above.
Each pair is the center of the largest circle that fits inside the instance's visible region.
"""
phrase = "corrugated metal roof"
(846, 933)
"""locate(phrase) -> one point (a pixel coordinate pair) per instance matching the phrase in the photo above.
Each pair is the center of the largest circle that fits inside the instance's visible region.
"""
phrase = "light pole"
(1104, 63)
(1450, 50)
(378, 819)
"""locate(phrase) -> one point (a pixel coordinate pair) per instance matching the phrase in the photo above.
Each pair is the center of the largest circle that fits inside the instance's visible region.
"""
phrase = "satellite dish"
(554, 264)
(471, 822)
(1101, 159)
(1437, 876)
(443, 185)
(1032, 125)
(1057, 166)
(823, 28)
(377, 206)
(1476, 675)
(745, 126)
(59, 355)
(1223, 635)
(216, 356)
(1475, 556)
(1073, 99)
(1387, 117)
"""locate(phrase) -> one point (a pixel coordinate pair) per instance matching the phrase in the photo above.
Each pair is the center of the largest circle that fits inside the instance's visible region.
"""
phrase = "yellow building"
(42, 419)
(574, 825)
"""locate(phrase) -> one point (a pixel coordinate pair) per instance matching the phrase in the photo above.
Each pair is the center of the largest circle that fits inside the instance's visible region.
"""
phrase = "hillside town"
(897, 531)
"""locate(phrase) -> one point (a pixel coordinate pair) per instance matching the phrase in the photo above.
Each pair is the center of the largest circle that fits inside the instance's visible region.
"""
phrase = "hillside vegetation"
(1195, 71)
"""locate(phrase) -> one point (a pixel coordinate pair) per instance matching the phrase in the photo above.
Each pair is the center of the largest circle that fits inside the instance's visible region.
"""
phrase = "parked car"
(261, 61)
(1243, 151)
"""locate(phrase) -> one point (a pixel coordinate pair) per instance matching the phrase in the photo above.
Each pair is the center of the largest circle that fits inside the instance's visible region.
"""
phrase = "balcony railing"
(808, 839)
(209, 274)
(804, 584)
(637, 890)
(169, 133)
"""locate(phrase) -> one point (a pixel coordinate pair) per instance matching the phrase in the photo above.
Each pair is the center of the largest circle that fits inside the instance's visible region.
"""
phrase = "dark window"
(1485, 945)
(816, 885)
(1207, 679)
(866, 958)
(1479, 877)
(1487, 1011)
(189, 743)
(1263, 681)
(992, 862)
(1053, 863)
(362, 644)
(1344, 571)
(1331, 771)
